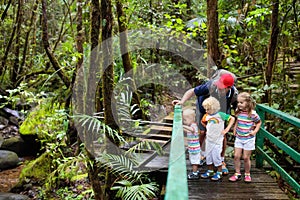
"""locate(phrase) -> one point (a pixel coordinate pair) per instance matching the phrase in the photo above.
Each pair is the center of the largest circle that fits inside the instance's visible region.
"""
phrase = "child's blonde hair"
(212, 104)
(189, 113)
(250, 102)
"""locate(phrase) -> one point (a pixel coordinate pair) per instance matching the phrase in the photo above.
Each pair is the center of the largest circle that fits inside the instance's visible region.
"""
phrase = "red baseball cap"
(225, 80)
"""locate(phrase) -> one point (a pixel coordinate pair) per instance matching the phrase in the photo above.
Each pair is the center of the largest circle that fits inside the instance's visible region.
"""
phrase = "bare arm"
(234, 128)
(187, 128)
(187, 95)
(231, 122)
(257, 127)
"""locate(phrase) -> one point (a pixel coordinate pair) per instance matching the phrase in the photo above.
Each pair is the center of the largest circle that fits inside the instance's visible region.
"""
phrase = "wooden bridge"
(174, 162)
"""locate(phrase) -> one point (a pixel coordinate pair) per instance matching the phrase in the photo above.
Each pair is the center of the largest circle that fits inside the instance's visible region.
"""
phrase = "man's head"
(225, 81)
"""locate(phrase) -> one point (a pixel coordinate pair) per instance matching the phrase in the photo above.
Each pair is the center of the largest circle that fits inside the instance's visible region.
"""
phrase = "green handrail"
(263, 133)
(177, 188)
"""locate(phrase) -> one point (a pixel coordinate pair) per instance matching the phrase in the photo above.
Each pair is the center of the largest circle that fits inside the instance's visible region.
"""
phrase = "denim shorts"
(248, 144)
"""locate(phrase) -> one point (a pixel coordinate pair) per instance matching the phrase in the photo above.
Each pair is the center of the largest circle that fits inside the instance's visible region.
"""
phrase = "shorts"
(213, 153)
(248, 144)
(194, 158)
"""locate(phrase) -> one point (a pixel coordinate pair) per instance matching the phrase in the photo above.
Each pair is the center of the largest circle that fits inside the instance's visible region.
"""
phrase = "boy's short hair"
(211, 103)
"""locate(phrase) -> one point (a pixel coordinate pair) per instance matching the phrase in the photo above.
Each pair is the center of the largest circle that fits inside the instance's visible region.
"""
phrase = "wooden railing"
(264, 134)
(177, 188)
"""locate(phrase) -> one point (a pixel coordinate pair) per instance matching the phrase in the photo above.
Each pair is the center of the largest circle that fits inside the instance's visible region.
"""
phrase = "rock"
(15, 144)
(14, 113)
(12, 196)
(3, 121)
(8, 159)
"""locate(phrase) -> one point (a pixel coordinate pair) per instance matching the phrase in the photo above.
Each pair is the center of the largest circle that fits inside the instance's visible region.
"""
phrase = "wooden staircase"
(157, 133)
(294, 73)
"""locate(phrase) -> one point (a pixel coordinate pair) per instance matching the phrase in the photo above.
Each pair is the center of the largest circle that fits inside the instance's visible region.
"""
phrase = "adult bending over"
(223, 89)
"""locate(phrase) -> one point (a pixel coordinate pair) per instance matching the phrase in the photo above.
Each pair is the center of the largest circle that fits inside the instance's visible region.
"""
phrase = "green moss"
(79, 177)
(38, 169)
(46, 118)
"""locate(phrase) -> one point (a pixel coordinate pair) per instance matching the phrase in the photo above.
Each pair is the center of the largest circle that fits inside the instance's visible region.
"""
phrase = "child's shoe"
(235, 177)
(224, 169)
(202, 161)
(193, 175)
(247, 178)
(217, 176)
(207, 174)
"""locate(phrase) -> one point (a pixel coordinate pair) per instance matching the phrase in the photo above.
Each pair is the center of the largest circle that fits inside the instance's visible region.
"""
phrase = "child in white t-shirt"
(214, 121)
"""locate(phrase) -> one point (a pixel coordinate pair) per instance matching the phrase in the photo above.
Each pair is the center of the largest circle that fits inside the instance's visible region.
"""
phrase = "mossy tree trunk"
(271, 57)
(212, 35)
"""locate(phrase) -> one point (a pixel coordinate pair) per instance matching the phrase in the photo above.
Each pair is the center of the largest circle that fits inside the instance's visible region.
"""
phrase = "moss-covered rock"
(37, 169)
(44, 119)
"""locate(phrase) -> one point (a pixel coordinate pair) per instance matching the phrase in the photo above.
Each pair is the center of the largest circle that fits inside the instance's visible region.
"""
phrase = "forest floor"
(10, 177)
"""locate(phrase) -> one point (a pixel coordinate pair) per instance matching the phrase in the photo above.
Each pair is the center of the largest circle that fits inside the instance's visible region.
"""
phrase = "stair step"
(161, 130)
(168, 119)
(158, 136)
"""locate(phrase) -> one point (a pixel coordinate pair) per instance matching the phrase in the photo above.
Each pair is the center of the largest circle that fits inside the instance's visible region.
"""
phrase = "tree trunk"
(213, 51)
(9, 44)
(4, 14)
(48, 49)
(95, 36)
(271, 58)
(123, 37)
(108, 71)
(32, 22)
(72, 133)
(93, 168)
(16, 67)
(108, 79)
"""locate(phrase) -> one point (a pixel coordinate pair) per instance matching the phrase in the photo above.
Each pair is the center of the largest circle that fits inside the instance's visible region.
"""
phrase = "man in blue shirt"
(223, 89)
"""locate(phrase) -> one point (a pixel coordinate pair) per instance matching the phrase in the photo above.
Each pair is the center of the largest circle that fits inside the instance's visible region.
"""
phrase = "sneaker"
(235, 177)
(207, 174)
(224, 169)
(193, 175)
(247, 178)
(202, 161)
(217, 176)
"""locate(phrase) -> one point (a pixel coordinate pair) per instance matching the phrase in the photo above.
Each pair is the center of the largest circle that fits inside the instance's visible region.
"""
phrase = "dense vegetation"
(63, 61)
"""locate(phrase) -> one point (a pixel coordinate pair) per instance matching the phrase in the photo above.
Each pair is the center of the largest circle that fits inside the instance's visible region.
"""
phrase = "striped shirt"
(193, 139)
(246, 124)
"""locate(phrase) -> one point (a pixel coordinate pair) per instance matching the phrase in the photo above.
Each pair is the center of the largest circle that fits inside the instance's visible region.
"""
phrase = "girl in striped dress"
(247, 125)
(191, 129)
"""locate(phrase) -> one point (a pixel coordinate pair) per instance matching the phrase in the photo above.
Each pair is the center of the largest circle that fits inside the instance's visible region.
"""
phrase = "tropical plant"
(131, 184)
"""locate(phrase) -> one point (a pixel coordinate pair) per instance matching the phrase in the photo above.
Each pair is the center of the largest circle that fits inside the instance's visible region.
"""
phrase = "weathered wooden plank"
(161, 130)
(262, 186)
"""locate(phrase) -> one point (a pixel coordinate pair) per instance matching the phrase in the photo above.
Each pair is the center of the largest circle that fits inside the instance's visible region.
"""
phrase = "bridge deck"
(262, 186)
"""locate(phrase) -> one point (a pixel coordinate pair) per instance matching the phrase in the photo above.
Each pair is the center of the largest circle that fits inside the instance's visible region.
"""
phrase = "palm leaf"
(128, 191)
(97, 126)
(121, 166)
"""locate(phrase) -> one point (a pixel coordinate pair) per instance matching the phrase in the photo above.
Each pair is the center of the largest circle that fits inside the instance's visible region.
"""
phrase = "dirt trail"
(9, 178)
